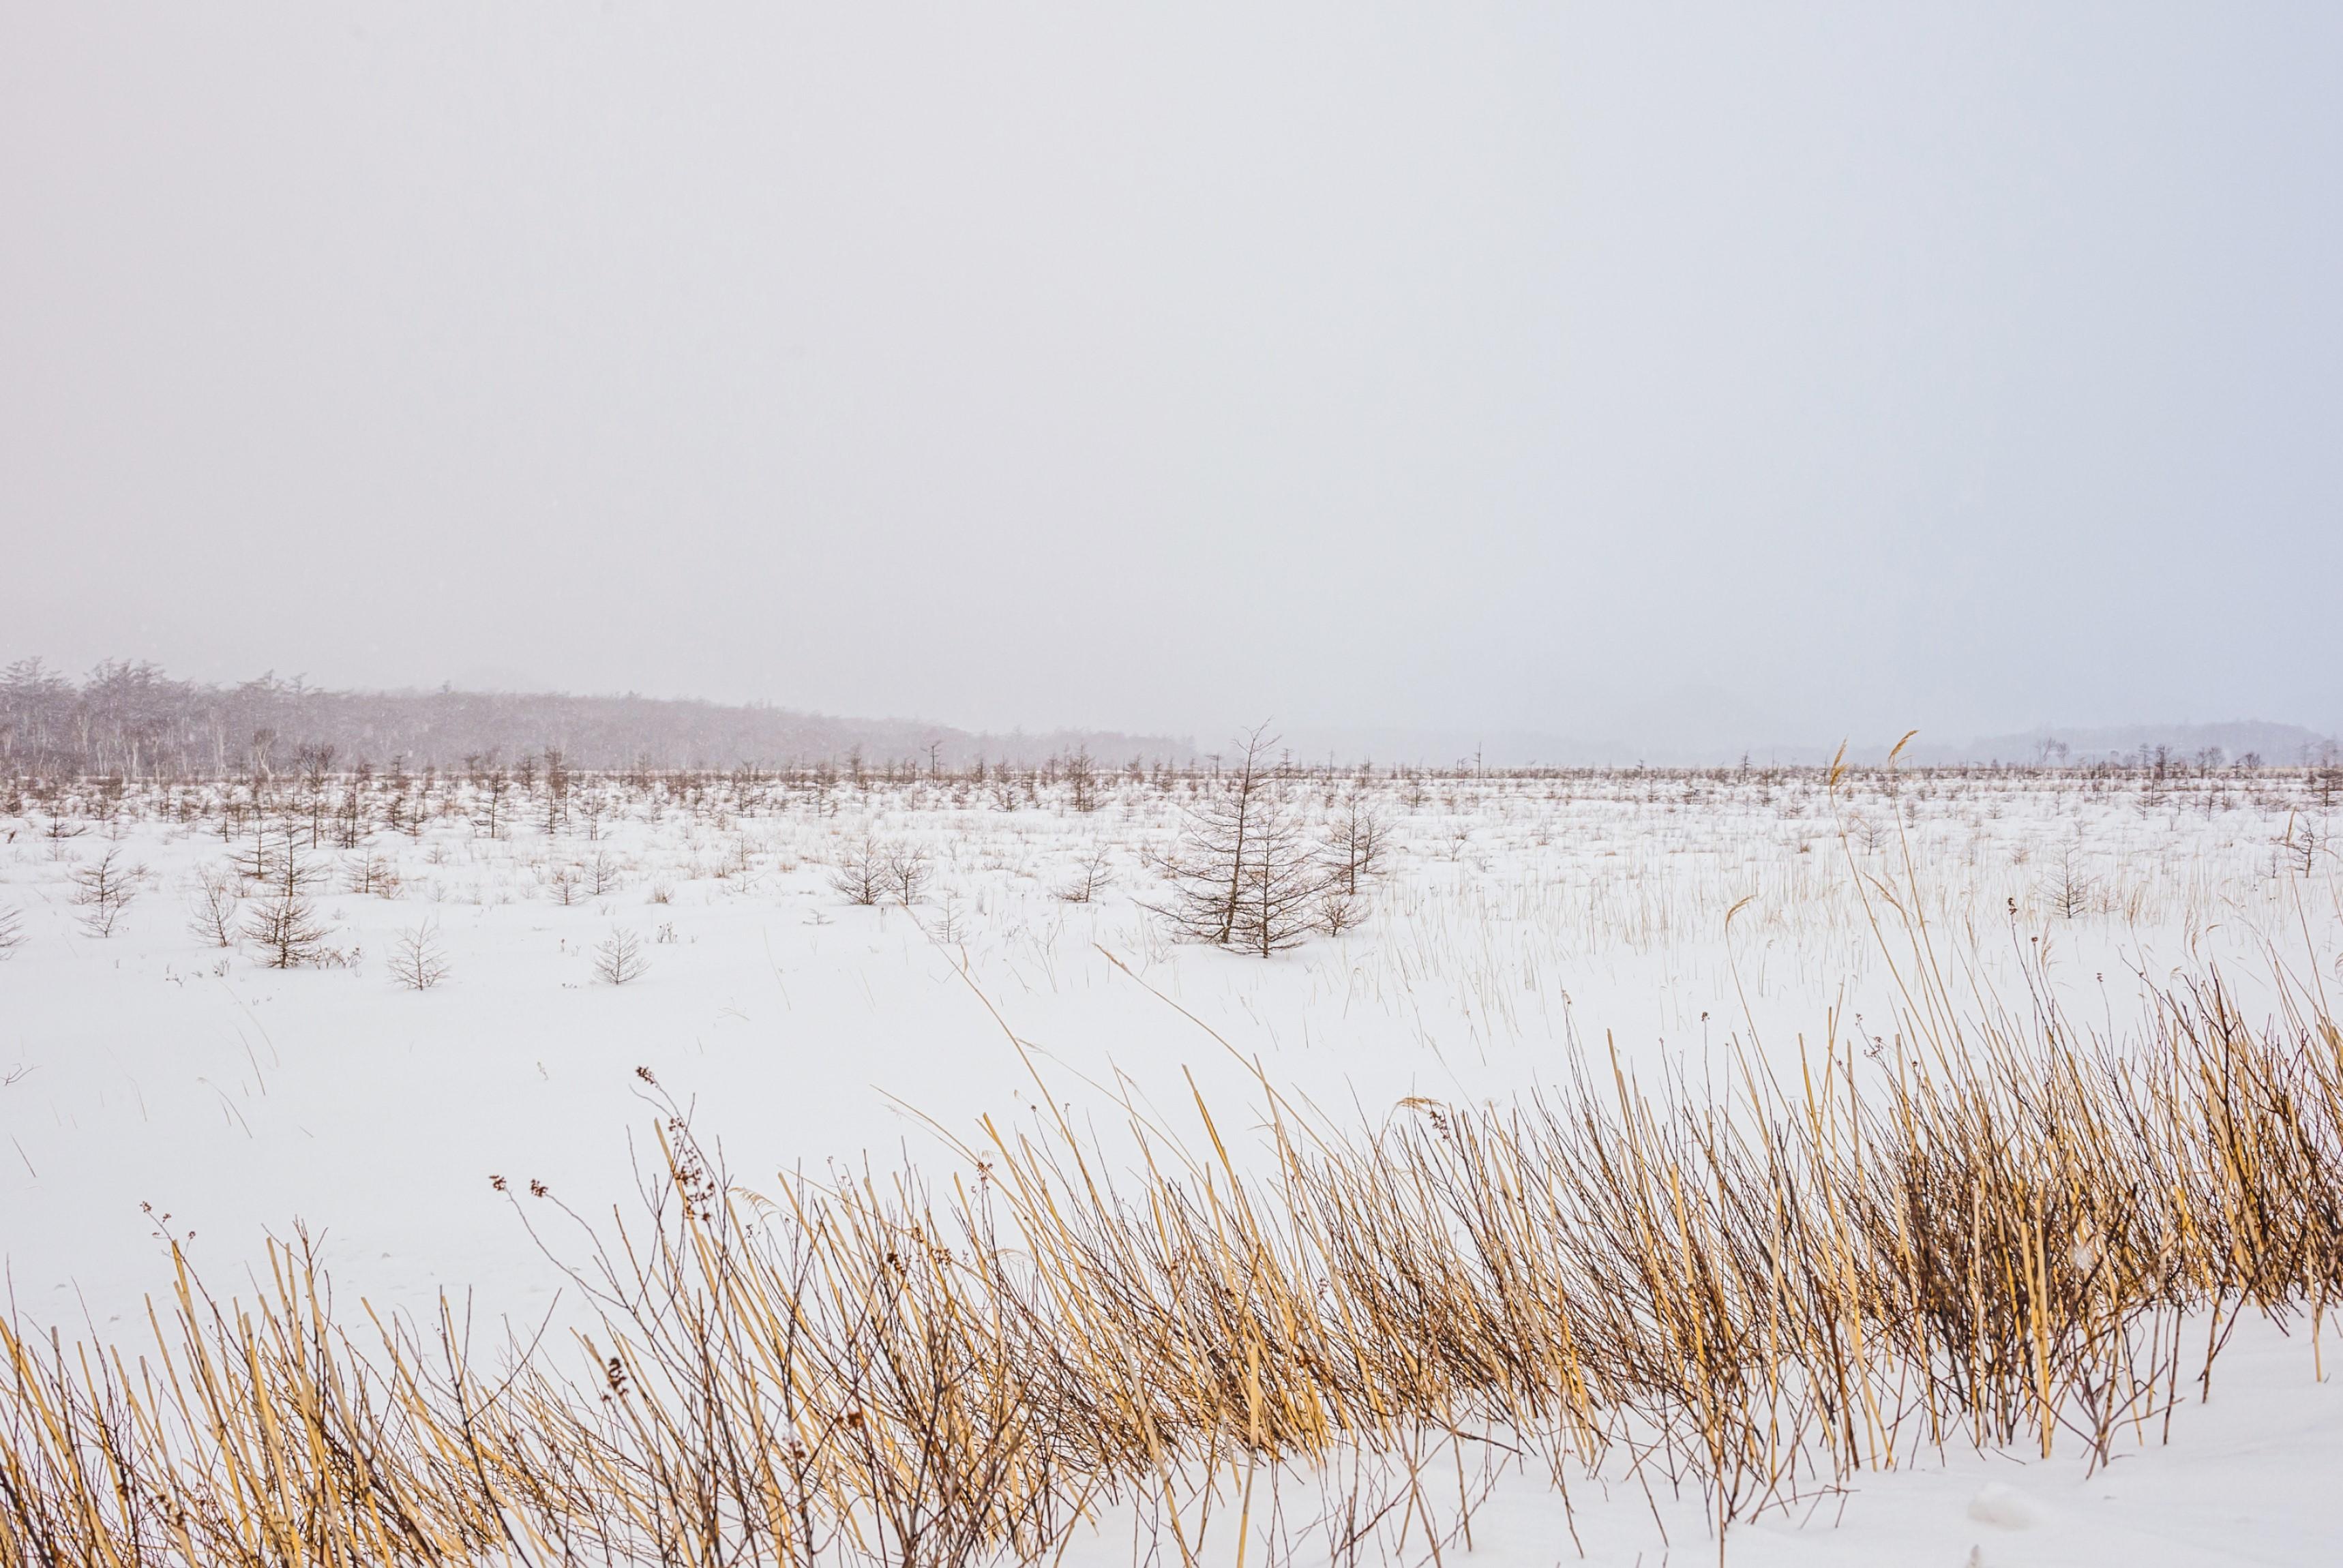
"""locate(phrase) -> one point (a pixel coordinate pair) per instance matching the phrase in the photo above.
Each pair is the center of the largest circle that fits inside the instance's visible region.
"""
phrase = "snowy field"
(159, 1077)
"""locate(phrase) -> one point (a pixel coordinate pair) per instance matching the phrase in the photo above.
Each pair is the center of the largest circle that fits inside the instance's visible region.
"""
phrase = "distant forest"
(134, 720)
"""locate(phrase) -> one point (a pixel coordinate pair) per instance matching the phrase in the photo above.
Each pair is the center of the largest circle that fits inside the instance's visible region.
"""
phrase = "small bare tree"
(491, 795)
(1281, 891)
(950, 924)
(57, 831)
(565, 883)
(1207, 870)
(212, 909)
(258, 859)
(1081, 781)
(1004, 787)
(104, 888)
(601, 874)
(417, 961)
(1242, 877)
(2326, 776)
(860, 873)
(1094, 873)
(2068, 885)
(11, 930)
(284, 925)
(1338, 911)
(1358, 844)
(907, 871)
(371, 872)
(620, 961)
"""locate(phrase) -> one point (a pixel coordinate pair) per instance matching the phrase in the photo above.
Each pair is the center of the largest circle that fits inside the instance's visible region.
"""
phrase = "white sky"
(1592, 371)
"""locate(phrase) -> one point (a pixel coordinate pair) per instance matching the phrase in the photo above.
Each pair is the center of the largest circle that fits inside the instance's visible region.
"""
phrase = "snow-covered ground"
(153, 1081)
(2245, 1480)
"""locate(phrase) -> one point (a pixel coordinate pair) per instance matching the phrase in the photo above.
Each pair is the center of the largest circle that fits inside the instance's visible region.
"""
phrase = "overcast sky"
(1592, 371)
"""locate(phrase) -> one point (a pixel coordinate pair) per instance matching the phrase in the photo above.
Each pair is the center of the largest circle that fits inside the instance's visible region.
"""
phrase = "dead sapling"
(283, 924)
(417, 961)
(102, 889)
(860, 873)
(212, 909)
(620, 960)
(2069, 887)
(1357, 848)
(908, 873)
(567, 884)
(371, 872)
(1093, 874)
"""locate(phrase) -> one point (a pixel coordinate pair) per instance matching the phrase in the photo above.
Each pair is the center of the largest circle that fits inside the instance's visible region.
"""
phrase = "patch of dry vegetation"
(1995, 1237)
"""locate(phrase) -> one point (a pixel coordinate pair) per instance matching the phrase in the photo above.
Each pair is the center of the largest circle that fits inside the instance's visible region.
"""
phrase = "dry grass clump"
(1759, 1289)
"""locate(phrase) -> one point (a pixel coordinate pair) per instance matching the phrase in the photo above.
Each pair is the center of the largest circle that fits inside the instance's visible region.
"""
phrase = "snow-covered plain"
(153, 1081)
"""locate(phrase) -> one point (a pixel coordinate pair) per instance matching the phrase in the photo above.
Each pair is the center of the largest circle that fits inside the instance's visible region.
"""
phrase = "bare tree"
(567, 884)
(860, 872)
(491, 790)
(405, 815)
(350, 815)
(1339, 910)
(1281, 887)
(1207, 871)
(104, 888)
(1242, 877)
(2068, 885)
(601, 874)
(313, 762)
(260, 859)
(1081, 779)
(212, 909)
(11, 930)
(620, 961)
(1092, 875)
(284, 925)
(907, 871)
(416, 961)
(57, 831)
(371, 873)
(1358, 843)
(1004, 787)
(557, 789)
(2324, 761)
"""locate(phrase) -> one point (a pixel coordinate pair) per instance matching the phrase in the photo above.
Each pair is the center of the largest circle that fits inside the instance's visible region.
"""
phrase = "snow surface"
(1520, 915)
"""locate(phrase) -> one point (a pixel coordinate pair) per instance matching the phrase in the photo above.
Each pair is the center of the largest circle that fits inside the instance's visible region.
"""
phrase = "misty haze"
(930, 785)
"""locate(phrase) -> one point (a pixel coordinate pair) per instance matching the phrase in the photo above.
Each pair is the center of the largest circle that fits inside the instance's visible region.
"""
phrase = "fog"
(1714, 374)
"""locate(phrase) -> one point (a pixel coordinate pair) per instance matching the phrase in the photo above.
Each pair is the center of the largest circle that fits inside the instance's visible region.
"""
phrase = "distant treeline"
(134, 720)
